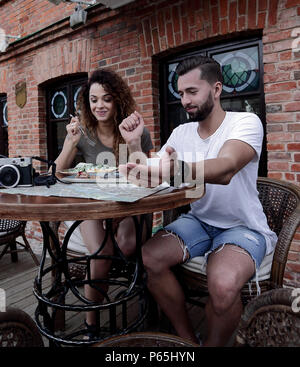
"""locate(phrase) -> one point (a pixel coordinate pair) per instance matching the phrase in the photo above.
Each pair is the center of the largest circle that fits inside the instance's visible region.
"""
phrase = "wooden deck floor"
(17, 281)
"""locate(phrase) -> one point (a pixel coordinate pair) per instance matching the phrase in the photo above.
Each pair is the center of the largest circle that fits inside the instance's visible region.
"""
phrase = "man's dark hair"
(210, 69)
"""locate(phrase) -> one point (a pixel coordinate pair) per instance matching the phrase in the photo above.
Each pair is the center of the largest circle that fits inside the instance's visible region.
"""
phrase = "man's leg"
(227, 272)
(160, 253)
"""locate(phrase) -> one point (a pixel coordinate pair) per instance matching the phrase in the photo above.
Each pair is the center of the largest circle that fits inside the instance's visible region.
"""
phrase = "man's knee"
(151, 260)
(223, 291)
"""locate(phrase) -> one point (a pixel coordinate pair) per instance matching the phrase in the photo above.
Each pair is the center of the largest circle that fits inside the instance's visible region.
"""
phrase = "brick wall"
(131, 40)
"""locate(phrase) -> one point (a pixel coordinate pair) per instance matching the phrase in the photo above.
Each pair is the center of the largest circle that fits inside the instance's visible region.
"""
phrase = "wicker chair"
(271, 320)
(281, 204)
(10, 230)
(17, 329)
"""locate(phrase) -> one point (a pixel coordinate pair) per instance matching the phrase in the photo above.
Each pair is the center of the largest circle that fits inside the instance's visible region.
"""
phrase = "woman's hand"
(131, 128)
(73, 131)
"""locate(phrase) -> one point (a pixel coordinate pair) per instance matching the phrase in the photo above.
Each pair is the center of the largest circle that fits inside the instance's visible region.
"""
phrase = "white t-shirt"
(237, 203)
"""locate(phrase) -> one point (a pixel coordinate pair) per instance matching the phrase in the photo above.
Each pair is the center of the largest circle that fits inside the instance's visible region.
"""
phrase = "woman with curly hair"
(108, 117)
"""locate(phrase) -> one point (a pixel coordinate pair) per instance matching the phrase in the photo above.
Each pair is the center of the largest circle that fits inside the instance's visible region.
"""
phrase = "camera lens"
(9, 176)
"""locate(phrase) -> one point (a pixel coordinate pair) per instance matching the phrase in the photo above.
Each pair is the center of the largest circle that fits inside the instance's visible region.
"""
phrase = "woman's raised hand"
(131, 128)
(73, 131)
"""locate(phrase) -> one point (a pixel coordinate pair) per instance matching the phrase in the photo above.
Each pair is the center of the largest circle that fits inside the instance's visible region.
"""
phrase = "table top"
(40, 208)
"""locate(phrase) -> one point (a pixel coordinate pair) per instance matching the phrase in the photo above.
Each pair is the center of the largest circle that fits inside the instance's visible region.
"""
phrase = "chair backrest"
(281, 204)
(9, 225)
(279, 201)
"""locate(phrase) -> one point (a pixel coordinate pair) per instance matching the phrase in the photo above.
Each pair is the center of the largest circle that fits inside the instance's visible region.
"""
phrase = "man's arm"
(232, 157)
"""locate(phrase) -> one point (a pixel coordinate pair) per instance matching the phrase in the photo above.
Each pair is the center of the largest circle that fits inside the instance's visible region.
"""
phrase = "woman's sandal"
(92, 331)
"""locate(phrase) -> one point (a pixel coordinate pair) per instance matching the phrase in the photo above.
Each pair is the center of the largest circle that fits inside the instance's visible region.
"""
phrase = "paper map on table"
(114, 192)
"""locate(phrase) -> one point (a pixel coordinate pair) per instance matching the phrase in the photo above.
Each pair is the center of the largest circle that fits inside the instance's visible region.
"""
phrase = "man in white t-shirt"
(227, 225)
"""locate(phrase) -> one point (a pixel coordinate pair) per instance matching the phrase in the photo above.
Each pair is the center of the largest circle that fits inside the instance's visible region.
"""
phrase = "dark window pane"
(3, 126)
(176, 116)
(244, 104)
(60, 134)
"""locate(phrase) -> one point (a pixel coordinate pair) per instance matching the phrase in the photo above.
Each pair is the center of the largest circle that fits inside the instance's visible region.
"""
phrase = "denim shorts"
(201, 238)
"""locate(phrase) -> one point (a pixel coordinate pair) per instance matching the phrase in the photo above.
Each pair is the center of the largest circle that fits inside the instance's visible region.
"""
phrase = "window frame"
(3, 128)
(165, 128)
(69, 83)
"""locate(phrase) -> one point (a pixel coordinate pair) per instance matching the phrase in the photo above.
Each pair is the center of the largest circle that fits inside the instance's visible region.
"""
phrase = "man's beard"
(203, 111)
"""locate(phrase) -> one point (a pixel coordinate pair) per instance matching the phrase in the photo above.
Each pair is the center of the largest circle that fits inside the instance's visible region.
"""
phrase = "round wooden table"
(56, 296)
(41, 208)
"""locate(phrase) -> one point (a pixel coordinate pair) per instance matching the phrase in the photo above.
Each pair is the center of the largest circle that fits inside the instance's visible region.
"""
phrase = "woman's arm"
(69, 151)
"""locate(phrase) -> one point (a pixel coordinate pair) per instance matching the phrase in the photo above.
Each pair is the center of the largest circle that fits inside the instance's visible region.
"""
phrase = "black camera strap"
(47, 179)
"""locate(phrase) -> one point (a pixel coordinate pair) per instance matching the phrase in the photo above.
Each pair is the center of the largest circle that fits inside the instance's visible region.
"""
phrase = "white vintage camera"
(16, 171)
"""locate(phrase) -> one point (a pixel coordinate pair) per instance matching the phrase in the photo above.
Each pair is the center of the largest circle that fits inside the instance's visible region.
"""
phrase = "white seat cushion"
(198, 265)
(76, 241)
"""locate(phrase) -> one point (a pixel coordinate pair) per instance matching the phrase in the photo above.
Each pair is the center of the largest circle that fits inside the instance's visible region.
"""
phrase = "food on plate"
(89, 168)
(82, 174)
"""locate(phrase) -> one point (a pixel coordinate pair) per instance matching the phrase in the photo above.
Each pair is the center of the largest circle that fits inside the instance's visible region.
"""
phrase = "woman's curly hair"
(122, 97)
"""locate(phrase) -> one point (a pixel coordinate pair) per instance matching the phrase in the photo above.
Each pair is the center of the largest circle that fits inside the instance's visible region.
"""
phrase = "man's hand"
(152, 176)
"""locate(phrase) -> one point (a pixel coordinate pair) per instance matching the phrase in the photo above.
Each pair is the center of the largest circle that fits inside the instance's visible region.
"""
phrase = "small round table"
(63, 291)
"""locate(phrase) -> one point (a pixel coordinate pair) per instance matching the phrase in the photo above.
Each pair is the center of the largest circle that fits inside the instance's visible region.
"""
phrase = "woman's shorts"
(201, 238)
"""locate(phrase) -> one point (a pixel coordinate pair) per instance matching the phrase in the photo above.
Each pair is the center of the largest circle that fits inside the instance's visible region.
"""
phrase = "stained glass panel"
(5, 115)
(59, 104)
(240, 70)
(172, 83)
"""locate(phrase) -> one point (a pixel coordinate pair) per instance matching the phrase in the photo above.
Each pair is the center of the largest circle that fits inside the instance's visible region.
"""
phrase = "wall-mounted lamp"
(79, 16)
(114, 4)
(56, 2)
(4, 40)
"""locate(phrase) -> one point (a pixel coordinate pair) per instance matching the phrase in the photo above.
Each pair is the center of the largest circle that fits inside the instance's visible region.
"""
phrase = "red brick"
(232, 17)
(278, 87)
(280, 117)
(224, 26)
(294, 127)
(275, 147)
(289, 66)
(289, 176)
(176, 23)
(278, 97)
(262, 5)
(170, 34)
(241, 22)
(272, 18)
(276, 175)
(297, 157)
(295, 167)
(155, 39)
(277, 36)
(279, 137)
(251, 14)
(295, 267)
(223, 8)
(261, 22)
(292, 106)
(277, 77)
(291, 3)
(215, 21)
(242, 7)
(161, 24)
(293, 147)
(271, 58)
